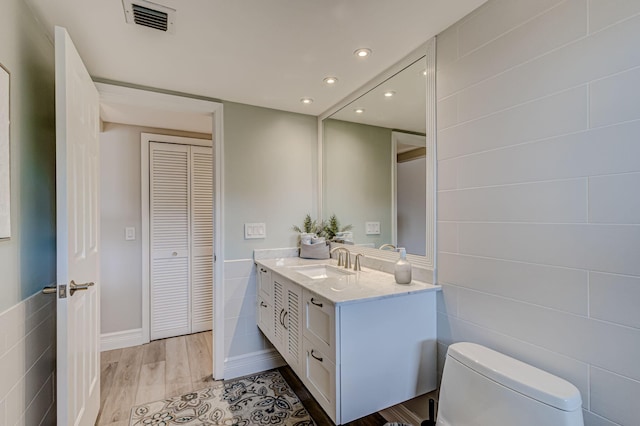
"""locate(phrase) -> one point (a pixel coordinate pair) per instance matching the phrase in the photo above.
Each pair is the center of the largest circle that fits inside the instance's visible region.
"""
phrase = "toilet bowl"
(482, 387)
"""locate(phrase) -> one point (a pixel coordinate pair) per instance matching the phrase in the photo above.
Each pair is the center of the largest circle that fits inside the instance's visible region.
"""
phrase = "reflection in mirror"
(375, 162)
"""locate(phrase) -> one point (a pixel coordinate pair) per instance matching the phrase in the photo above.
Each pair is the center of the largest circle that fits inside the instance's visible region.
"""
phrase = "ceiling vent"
(148, 14)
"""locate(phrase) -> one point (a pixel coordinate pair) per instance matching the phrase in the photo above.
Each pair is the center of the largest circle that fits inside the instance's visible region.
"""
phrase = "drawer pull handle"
(319, 358)
(264, 305)
(313, 302)
(263, 270)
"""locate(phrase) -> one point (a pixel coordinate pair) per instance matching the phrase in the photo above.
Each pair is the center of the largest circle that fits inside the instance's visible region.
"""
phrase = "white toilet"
(482, 387)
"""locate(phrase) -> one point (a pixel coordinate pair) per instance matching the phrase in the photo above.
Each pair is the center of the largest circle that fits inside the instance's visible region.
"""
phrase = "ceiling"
(267, 53)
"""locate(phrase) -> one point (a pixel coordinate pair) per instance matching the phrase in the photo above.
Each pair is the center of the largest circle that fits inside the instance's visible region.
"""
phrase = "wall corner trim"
(121, 339)
(251, 363)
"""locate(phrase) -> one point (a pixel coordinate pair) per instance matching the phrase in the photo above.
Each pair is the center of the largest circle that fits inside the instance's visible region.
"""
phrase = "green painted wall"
(28, 260)
(357, 177)
(270, 162)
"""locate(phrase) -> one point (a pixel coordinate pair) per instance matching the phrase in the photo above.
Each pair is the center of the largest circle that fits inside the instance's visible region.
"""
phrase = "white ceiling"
(267, 53)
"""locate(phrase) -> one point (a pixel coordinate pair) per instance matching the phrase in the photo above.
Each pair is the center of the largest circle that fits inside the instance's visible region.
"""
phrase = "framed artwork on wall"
(5, 160)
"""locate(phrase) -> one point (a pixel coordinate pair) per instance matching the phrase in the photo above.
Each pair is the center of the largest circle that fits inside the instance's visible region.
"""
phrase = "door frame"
(144, 99)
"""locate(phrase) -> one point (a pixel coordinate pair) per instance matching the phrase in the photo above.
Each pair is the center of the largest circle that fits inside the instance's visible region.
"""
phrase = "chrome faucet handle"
(356, 264)
(339, 250)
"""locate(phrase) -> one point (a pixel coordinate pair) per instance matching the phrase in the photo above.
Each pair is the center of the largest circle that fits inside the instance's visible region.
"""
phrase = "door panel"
(170, 247)
(202, 238)
(78, 239)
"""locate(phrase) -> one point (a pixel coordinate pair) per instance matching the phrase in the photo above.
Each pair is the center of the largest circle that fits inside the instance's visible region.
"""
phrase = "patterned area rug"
(263, 399)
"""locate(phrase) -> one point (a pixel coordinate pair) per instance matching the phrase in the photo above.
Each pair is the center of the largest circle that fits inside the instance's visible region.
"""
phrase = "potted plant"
(332, 227)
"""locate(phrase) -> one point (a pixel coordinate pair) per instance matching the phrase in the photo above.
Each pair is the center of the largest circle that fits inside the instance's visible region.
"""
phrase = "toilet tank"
(482, 387)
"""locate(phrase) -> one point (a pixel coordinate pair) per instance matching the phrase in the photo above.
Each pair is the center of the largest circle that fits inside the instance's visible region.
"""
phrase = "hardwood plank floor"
(171, 367)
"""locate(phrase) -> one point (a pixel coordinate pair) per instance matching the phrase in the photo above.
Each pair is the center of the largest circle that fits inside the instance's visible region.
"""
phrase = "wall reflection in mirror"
(375, 163)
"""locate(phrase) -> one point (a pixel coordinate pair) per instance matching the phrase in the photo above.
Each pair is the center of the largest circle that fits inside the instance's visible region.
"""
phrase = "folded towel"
(319, 250)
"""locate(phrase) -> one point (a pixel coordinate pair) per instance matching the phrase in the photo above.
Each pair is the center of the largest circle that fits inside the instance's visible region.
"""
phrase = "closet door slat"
(202, 238)
(169, 240)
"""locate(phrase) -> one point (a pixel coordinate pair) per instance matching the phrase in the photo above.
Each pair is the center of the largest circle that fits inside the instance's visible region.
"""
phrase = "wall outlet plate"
(255, 231)
(372, 228)
(130, 233)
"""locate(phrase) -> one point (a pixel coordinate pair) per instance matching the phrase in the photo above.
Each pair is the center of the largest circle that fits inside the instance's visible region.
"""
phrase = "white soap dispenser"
(402, 270)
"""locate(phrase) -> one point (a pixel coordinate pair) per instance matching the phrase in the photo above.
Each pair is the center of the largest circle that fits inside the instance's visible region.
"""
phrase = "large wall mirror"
(378, 161)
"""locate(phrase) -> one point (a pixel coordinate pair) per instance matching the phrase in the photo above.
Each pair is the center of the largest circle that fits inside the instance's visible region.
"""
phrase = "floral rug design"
(262, 399)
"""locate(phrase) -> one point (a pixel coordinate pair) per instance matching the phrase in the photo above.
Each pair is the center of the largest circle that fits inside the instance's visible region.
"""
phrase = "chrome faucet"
(347, 258)
(391, 246)
(356, 264)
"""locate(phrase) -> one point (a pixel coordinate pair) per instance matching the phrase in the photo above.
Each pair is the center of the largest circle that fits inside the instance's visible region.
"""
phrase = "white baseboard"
(252, 363)
(401, 414)
(121, 339)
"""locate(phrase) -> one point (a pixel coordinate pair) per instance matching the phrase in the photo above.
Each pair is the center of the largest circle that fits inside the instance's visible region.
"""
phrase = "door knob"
(73, 287)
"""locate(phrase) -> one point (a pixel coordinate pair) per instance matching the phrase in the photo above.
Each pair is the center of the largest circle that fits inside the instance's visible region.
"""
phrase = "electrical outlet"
(255, 231)
(372, 228)
(130, 233)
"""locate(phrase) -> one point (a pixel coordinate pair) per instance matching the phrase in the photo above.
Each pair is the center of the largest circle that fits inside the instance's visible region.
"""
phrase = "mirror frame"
(427, 262)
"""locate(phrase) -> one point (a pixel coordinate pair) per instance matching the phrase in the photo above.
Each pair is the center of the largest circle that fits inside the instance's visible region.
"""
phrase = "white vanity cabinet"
(355, 357)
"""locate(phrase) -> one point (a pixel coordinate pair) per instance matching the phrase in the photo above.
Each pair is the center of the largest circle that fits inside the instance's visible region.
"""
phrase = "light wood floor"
(157, 370)
(171, 367)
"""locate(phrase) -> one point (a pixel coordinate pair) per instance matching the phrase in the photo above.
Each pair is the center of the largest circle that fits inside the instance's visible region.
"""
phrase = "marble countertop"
(368, 284)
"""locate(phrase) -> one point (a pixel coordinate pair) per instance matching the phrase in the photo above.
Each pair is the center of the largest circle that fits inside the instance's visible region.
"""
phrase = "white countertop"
(367, 284)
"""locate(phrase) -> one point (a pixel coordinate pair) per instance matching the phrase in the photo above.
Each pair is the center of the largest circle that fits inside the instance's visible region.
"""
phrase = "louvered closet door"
(202, 239)
(169, 240)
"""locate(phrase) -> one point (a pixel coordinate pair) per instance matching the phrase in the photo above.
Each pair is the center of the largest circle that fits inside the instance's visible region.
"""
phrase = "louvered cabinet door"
(293, 324)
(169, 240)
(201, 239)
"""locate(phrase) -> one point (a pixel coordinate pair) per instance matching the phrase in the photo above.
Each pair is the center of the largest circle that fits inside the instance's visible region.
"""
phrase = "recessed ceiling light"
(389, 93)
(330, 80)
(359, 110)
(362, 53)
(424, 72)
(306, 101)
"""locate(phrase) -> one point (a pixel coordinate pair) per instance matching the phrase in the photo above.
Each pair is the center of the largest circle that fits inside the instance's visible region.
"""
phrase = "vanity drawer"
(320, 377)
(320, 324)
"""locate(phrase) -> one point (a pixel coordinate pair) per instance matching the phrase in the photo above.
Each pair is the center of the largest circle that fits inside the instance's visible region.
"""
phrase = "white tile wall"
(606, 389)
(241, 335)
(27, 361)
(569, 66)
(615, 99)
(615, 298)
(601, 14)
(506, 14)
(524, 123)
(543, 202)
(614, 198)
(558, 26)
(538, 216)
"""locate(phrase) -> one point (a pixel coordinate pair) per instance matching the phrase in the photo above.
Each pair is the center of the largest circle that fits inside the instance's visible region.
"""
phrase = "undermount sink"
(317, 272)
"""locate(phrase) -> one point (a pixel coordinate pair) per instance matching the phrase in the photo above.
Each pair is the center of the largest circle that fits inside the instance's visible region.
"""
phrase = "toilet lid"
(517, 375)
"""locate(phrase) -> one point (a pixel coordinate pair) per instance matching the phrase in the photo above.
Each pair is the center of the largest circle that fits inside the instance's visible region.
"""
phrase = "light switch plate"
(255, 231)
(130, 233)
(372, 228)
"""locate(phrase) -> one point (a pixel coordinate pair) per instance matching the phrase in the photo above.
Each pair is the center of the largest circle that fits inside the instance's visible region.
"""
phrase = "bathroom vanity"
(357, 340)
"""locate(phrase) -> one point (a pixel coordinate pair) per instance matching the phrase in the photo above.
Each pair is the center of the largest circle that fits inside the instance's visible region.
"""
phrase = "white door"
(77, 160)
(201, 238)
(169, 223)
